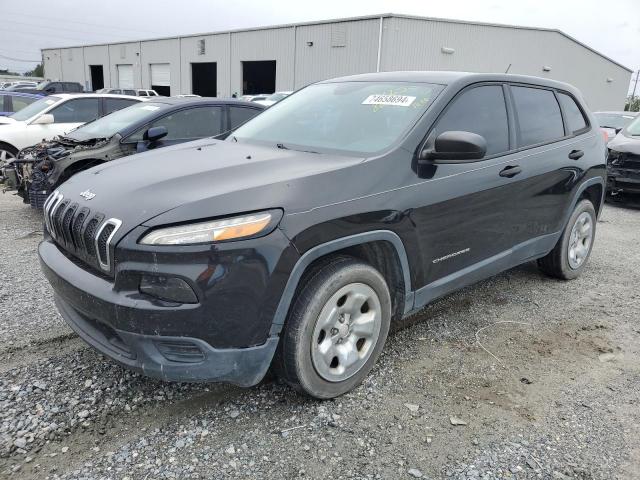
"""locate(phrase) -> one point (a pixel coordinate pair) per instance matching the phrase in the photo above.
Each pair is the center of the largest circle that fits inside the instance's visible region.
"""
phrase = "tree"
(36, 72)
(633, 104)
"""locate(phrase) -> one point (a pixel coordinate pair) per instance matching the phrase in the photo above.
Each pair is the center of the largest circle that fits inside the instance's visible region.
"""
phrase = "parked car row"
(129, 91)
(40, 169)
(17, 83)
(298, 239)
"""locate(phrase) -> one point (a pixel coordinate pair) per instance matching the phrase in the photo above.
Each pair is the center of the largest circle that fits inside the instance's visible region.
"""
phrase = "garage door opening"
(204, 78)
(125, 76)
(97, 77)
(161, 78)
(258, 77)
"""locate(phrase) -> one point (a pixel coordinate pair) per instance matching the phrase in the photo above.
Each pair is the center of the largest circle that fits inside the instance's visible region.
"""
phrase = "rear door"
(545, 142)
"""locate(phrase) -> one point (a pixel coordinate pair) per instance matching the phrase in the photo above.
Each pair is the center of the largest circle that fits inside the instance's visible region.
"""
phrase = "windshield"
(634, 127)
(351, 117)
(35, 108)
(613, 120)
(117, 121)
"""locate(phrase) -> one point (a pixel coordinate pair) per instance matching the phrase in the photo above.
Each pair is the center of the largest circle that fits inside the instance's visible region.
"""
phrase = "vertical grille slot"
(56, 219)
(67, 218)
(88, 236)
(76, 228)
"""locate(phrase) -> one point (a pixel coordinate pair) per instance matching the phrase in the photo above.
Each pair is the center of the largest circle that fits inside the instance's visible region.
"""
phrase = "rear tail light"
(605, 135)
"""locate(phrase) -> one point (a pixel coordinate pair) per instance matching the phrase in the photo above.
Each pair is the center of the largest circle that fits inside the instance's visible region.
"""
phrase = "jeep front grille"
(81, 232)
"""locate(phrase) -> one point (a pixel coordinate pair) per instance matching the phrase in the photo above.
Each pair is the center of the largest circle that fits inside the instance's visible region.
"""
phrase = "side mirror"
(455, 146)
(155, 133)
(44, 119)
(50, 90)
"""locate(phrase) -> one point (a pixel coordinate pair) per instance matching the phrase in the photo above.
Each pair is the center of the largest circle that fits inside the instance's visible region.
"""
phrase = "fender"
(334, 245)
(592, 181)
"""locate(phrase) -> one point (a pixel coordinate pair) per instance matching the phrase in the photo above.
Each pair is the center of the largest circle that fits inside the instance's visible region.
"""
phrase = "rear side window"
(481, 110)
(573, 115)
(239, 115)
(539, 115)
(113, 104)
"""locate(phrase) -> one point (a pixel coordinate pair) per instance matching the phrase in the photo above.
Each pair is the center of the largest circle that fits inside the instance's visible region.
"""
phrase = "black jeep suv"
(299, 239)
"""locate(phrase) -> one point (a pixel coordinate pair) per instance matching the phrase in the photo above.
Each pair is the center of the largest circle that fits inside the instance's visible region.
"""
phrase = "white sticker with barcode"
(397, 100)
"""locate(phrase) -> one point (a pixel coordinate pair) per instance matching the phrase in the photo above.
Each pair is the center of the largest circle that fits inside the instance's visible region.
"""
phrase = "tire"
(342, 314)
(7, 152)
(560, 263)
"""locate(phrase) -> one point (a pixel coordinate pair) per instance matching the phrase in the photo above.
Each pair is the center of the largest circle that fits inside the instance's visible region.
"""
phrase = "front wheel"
(569, 257)
(336, 329)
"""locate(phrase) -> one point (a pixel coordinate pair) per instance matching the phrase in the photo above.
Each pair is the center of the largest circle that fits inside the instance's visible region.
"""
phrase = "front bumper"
(191, 359)
(623, 180)
(224, 337)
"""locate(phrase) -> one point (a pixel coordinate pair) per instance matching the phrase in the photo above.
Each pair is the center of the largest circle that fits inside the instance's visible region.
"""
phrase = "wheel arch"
(374, 247)
(594, 190)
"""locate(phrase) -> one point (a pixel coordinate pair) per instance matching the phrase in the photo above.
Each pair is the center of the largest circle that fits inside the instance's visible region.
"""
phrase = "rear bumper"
(189, 359)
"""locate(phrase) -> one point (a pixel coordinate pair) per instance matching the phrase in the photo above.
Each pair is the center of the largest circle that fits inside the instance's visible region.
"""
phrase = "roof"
(364, 17)
(20, 94)
(65, 96)
(199, 100)
(631, 114)
(447, 78)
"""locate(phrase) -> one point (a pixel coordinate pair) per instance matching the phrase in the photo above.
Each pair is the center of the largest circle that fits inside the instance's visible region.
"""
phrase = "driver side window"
(188, 124)
(481, 110)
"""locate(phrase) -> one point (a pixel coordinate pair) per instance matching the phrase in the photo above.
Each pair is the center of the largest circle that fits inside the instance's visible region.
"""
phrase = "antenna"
(507, 70)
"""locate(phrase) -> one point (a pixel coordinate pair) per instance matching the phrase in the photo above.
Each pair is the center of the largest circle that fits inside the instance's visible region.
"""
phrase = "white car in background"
(273, 98)
(55, 115)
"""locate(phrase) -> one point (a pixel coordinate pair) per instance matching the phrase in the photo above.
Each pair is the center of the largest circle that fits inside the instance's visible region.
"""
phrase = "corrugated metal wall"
(310, 52)
(270, 44)
(412, 44)
(343, 48)
(161, 51)
(217, 48)
(98, 55)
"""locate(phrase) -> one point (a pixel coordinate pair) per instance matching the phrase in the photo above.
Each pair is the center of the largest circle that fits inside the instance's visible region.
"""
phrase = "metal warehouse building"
(287, 57)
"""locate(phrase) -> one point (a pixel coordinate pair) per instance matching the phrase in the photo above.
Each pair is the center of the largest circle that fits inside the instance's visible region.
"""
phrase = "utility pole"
(633, 95)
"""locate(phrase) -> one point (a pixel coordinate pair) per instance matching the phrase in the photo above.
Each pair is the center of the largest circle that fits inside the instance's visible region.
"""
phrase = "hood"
(209, 178)
(8, 121)
(626, 144)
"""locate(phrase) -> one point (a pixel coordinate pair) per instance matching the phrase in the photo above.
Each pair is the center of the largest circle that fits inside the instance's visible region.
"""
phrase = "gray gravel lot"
(544, 374)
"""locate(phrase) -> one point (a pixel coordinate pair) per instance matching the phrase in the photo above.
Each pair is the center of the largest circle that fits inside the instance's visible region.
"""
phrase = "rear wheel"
(569, 257)
(336, 329)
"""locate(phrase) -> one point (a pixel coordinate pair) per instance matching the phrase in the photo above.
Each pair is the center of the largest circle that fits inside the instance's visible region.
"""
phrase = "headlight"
(206, 232)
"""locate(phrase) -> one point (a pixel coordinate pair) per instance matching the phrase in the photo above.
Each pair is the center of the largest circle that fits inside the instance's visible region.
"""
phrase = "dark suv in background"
(50, 88)
(343, 208)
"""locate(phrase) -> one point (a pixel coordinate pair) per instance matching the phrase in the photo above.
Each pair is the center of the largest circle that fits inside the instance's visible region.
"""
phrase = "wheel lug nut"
(334, 331)
(341, 319)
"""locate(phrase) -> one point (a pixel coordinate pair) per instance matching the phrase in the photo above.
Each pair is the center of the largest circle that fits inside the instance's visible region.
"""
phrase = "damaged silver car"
(40, 169)
(623, 162)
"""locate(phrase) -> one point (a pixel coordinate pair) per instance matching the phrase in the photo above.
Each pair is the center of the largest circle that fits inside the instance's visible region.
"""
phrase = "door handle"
(510, 171)
(576, 154)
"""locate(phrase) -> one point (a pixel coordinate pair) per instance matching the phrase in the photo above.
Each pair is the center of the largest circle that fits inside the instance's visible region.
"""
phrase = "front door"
(471, 225)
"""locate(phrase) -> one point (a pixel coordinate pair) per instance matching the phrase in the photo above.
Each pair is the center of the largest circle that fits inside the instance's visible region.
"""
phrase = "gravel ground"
(519, 376)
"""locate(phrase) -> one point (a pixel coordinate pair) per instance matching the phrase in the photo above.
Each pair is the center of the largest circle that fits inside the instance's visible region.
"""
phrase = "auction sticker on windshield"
(398, 100)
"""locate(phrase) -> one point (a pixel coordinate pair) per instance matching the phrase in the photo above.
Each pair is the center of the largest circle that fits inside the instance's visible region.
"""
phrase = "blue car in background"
(11, 102)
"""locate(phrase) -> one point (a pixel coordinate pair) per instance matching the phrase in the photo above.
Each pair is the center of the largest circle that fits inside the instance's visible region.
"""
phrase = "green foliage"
(36, 72)
(633, 104)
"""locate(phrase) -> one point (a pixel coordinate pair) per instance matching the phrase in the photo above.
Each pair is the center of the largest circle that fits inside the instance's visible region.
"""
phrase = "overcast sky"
(610, 26)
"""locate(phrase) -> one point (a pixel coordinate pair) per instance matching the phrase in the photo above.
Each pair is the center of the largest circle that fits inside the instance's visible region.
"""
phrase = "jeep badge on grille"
(87, 194)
